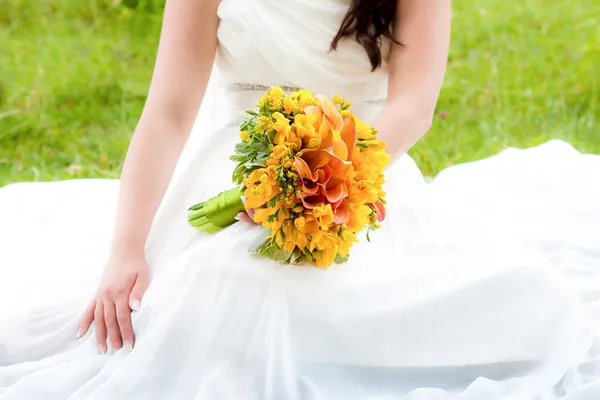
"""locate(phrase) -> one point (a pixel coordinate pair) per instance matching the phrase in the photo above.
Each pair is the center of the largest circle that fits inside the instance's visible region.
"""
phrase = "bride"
(483, 284)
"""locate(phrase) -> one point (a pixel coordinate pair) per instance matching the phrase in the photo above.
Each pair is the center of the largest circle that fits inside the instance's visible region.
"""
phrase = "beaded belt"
(248, 87)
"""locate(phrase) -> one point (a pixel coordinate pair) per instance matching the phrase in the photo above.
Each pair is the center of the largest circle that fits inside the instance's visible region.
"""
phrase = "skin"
(182, 70)
(416, 72)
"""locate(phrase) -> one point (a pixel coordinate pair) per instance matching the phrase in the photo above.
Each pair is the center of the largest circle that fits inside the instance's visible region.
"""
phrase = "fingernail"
(135, 305)
(127, 345)
(79, 333)
(101, 349)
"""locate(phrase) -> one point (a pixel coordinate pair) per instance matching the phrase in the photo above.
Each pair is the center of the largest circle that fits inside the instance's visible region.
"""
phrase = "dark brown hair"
(369, 22)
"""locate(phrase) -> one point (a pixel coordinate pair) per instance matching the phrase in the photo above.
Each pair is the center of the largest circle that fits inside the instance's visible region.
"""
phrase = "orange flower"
(380, 210)
(325, 164)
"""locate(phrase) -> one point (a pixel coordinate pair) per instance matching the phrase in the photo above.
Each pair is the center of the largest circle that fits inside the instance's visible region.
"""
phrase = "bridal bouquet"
(308, 171)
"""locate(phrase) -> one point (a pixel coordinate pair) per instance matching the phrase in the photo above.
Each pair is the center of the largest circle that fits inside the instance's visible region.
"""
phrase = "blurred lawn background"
(74, 75)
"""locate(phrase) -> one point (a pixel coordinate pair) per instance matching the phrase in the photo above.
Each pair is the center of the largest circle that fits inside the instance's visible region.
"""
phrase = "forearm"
(401, 124)
(148, 168)
(416, 72)
(180, 77)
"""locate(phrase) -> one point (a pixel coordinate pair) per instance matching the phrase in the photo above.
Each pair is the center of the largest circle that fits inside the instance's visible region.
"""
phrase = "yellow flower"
(337, 99)
(263, 217)
(283, 130)
(324, 258)
(300, 222)
(363, 192)
(304, 127)
(370, 163)
(274, 98)
(307, 224)
(260, 187)
(282, 155)
(245, 136)
(304, 98)
(280, 122)
(276, 92)
(359, 216)
(291, 238)
(323, 213)
(280, 152)
(289, 106)
(364, 131)
(264, 120)
(325, 244)
(345, 241)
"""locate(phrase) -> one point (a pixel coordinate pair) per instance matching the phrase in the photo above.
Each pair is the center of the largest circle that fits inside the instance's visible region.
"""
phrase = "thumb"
(137, 292)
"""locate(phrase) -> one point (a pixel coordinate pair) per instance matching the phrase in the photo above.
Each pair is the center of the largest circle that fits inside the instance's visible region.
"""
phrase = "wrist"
(127, 247)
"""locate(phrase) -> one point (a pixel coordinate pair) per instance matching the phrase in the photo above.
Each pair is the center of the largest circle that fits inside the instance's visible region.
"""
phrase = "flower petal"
(332, 115)
(309, 178)
(325, 135)
(342, 212)
(380, 210)
(341, 169)
(314, 110)
(324, 174)
(339, 150)
(303, 169)
(335, 191)
(310, 201)
(316, 159)
(349, 135)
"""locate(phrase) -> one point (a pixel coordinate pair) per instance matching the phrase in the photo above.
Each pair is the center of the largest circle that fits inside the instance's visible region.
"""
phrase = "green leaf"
(297, 257)
(262, 242)
(308, 255)
(341, 260)
(281, 256)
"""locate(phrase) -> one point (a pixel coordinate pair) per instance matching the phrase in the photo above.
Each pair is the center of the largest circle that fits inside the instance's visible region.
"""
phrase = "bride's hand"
(123, 284)
(248, 215)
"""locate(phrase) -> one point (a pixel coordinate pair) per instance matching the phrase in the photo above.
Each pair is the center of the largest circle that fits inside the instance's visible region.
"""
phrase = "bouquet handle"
(218, 212)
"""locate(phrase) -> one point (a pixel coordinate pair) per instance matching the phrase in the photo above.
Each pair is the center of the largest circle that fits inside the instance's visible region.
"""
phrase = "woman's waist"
(244, 97)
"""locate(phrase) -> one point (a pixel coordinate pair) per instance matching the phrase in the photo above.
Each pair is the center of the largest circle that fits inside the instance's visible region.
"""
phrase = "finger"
(112, 326)
(100, 326)
(137, 292)
(86, 319)
(244, 217)
(249, 211)
(124, 321)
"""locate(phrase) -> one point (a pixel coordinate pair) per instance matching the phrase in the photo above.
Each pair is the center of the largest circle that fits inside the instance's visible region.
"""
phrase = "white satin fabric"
(483, 284)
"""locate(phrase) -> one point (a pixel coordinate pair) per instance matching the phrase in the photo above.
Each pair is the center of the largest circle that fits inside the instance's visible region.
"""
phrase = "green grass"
(74, 75)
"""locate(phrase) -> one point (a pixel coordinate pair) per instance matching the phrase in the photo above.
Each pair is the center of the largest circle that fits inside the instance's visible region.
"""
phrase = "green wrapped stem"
(218, 212)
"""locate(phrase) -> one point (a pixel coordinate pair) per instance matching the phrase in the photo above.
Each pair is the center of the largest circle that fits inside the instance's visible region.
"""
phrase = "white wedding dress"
(483, 284)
